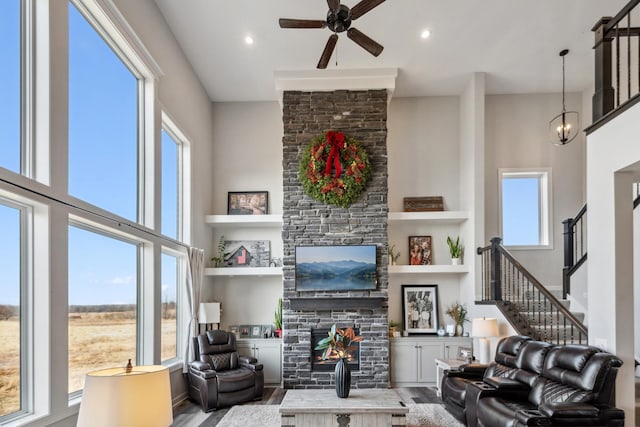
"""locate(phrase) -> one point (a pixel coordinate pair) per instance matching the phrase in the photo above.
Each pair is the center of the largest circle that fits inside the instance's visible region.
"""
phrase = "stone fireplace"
(361, 115)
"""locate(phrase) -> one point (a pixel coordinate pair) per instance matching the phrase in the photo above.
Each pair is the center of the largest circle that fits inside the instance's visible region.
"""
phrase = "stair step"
(528, 305)
(548, 316)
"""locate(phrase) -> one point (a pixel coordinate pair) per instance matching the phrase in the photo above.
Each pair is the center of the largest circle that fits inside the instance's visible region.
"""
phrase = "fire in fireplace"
(319, 365)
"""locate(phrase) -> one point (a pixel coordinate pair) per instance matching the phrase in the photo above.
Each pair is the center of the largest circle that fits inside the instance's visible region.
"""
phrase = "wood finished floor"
(189, 414)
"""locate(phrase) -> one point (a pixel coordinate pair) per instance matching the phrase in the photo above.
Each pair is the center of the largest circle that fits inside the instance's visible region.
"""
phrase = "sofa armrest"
(200, 366)
(203, 373)
(247, 359)
(502, 383)
(250, 363)
(471, 372)
(568, 410)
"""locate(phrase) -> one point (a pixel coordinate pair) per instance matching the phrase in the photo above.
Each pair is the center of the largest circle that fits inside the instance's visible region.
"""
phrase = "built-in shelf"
(442, 217)
(428, 269)
(243, 271)
(274, 220)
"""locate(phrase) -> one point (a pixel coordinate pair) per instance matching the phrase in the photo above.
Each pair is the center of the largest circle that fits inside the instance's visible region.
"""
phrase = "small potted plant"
(455, 249)
(458, 313)
(339, 343)
(218, 261)
(393, 328)
(277, 318)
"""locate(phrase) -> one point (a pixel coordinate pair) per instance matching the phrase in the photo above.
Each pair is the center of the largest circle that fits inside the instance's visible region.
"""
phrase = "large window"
(11, 230)
(103, 122)
(170, 286)
(10, 71)
(525, 207)
(103, 299)
(170, 198)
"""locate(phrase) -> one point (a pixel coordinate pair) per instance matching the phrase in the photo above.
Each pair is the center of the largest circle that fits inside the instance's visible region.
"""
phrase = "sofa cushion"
(223, 361)
(235, 380)
(455, 390)
(508, 349)
(496, 411)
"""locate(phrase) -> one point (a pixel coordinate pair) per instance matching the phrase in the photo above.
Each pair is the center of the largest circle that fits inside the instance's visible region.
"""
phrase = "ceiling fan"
(339, 20)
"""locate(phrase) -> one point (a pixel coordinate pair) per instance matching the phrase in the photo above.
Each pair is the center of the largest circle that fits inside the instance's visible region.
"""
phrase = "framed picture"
(248, 203)
(245, 331)
(420, 250)
(266, 330)
(247, 253)
(235, 330)
(256, 331)
(465, 353)
(420, 308)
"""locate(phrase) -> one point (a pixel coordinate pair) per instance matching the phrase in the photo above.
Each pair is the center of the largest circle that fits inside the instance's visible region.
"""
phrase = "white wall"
(612, 166)
(516, 137)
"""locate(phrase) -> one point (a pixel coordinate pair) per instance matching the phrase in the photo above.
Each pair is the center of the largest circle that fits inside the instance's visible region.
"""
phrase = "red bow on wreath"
(336, 139)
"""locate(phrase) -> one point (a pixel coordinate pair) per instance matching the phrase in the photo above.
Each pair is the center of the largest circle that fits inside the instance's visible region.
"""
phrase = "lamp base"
(483, 350)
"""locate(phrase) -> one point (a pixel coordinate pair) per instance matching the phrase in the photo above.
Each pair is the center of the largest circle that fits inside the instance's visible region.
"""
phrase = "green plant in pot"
(338, 343)
(218, 261)
(455, 250)
(277, 318)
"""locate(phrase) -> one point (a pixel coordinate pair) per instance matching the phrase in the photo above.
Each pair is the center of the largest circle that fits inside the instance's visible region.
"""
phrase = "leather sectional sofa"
(534, 383)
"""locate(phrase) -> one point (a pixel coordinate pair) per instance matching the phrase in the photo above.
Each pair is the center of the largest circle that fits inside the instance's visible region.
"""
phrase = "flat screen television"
(336, 268)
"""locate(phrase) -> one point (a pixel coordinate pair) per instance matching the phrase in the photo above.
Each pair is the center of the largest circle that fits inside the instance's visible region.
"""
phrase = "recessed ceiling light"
(249, 40)
(425, 34)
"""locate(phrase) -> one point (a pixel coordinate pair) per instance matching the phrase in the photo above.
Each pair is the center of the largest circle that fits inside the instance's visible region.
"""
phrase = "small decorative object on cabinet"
(248, 203)
(420, 250)
(458, 313)
(218, 261)
(423, 204)
(455, 249)
(393, 328)
(420, 308)
(339, 343)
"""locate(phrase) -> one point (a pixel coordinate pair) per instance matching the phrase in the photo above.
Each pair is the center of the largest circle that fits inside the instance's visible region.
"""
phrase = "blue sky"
(103, 165)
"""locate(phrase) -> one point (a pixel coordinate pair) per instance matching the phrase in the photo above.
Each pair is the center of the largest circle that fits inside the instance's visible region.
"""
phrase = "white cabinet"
(268, 352)
(412, 359)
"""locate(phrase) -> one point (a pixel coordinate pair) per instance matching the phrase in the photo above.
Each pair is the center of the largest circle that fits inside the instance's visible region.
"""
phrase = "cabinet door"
(245, 348)
(429, 352)
(404, 361)
(269, 354)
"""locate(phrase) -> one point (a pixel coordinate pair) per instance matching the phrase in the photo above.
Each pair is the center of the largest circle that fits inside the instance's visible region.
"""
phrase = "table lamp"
(127, 397)
(483, 329)
(209, 312)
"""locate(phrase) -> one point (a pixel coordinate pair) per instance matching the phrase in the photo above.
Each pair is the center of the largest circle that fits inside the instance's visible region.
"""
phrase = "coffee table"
(366, 407)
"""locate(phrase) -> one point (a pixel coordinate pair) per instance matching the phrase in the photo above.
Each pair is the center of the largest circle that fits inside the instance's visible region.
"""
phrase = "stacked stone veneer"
(308, 222)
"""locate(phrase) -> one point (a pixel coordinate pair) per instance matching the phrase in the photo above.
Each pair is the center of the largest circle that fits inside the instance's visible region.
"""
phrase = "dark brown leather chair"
(221, 377)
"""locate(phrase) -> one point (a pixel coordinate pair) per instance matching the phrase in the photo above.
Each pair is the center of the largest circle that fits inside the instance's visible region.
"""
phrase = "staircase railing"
(575, 247)
(617, 72)
(530, 307)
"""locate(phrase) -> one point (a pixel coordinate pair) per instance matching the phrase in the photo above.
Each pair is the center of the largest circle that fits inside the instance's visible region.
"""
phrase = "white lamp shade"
(484, 327)
(209, 312)
(140, 398)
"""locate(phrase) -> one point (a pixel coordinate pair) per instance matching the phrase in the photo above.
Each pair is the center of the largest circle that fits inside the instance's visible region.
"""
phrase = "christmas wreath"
(334, 169)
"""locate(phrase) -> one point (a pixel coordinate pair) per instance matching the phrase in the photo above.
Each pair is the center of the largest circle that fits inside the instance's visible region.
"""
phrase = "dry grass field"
(96, 341)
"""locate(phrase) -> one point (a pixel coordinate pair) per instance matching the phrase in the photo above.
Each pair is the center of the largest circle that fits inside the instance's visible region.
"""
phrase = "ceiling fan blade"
(301, 23)
(327, 52)
(368, 44)
(363, 7)
(334, 5)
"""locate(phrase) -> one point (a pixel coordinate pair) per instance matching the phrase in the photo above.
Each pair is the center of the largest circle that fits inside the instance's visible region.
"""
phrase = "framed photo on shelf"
(235, 330)
(245, 331)
(247, 253)
(420, 252)
(248, 203)
(420, 309)
(266, 330)
(256, 331)
(465, 353)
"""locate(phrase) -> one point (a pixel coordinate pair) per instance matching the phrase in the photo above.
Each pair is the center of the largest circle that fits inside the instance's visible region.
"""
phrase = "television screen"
(336, 268)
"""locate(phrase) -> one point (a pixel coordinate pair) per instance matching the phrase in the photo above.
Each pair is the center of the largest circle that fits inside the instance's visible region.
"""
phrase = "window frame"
(545, 205)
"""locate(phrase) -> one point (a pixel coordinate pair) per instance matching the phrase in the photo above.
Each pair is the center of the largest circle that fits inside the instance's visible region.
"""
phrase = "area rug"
(420, 415)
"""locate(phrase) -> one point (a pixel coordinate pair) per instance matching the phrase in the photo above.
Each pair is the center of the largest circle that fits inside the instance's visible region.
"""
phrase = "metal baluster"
(617, 66)
(628, 56)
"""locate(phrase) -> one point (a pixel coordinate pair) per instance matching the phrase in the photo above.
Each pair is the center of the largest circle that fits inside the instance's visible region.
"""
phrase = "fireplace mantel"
(336, 303)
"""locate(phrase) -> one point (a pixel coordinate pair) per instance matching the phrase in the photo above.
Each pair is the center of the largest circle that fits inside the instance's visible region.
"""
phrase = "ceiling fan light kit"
(339, 19)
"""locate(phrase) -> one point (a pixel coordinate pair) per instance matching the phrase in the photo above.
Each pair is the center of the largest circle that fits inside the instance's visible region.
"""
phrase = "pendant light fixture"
(564, 127)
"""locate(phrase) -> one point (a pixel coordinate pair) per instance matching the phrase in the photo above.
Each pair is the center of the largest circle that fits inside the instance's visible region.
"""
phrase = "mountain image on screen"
(335, 275)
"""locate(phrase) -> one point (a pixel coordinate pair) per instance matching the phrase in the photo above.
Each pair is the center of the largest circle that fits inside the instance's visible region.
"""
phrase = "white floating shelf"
(274, 220)
(243, 271)
(428, 269)
(442, 217)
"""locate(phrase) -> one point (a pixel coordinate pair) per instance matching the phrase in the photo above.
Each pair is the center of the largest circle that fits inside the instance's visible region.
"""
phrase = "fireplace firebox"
(329, 365)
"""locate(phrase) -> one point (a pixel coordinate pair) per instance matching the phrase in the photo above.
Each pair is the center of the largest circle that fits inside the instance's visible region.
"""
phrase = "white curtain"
(195, 270)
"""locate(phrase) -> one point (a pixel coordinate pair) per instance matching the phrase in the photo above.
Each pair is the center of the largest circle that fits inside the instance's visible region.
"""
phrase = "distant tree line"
(8, 311)
(168, 309)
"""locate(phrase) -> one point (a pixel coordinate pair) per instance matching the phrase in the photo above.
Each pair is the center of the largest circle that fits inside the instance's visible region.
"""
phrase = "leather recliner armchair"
(221, 377)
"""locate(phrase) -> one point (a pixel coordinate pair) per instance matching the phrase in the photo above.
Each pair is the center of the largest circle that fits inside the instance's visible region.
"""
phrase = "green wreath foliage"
(333, 188)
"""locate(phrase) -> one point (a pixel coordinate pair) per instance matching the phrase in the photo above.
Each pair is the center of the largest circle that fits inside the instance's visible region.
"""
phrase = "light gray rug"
(420, 415)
